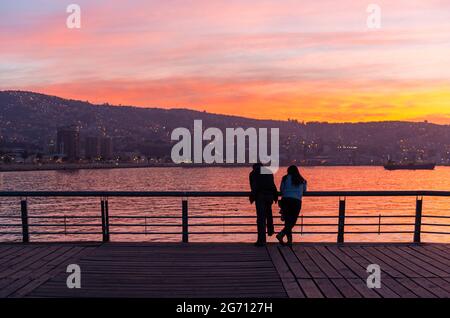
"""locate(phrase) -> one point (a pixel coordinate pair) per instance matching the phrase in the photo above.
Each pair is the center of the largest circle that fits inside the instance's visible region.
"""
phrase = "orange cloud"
(304, 60)
(309, 101)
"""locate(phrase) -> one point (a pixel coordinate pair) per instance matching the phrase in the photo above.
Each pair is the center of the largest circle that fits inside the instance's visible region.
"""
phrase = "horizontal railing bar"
(146, 225)
(241, 224)
(304, 232)
(225, 217)
(63, 217)
(62, 224)
(211, 233)
(146, 233)
(429, 232)
(205, 233)
(213, 216)
(307, 216)
(217, 233)
(435, 216)
(144, 217)
(202, 217)
(309, 233)
(212, 225)
(371, 232)
(221, 233)
(66, 233)
(379, 224)
(213, 193)
(221, 217)
(222, 225)
(376, 216)
(254, 216)
(381, 232)
(237, 224)
(278, 224)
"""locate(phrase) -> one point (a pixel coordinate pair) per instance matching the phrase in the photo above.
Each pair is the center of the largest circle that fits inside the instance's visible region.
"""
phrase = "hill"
(30, 120)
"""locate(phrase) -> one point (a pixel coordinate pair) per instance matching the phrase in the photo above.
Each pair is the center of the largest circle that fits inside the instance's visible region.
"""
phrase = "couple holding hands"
(264, 193)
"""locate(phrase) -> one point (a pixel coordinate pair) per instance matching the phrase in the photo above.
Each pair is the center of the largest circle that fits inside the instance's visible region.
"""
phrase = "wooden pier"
(224, 270)
(186, 270)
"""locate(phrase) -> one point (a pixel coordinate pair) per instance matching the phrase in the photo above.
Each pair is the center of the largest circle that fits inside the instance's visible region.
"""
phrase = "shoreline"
(76, 167)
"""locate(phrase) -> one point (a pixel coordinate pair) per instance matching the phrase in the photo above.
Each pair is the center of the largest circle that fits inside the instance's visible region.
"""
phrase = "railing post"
(102, 205)
(185, 220)
(379, 224)
(105, 219)
(24, 215)
(418, 223)
(341, 223)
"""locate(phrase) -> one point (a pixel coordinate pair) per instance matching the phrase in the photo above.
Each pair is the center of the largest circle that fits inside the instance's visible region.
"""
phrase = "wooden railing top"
(217, 193)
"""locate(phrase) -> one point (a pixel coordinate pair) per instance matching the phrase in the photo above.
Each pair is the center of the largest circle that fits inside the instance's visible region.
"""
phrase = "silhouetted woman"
(293, 185)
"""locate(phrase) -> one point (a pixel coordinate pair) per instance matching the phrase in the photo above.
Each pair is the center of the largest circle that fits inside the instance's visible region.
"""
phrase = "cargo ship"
(409, 166)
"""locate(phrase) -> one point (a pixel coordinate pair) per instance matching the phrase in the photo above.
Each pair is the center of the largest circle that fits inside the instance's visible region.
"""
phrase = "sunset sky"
(308, 60)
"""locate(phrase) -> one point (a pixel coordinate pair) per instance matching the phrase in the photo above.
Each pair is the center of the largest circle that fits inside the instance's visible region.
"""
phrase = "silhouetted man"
(263, 192)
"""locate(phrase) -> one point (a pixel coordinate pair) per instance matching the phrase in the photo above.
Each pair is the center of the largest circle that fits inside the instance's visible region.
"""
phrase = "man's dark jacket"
(262, 184)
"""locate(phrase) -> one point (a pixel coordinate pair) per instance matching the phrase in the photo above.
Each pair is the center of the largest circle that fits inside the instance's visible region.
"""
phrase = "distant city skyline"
(46, 128)
(266, 59)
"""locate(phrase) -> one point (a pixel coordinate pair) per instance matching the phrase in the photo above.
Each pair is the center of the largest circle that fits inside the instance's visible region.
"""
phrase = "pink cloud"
(193, 52)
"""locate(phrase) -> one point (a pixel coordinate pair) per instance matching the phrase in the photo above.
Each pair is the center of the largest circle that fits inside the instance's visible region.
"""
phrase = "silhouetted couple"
(264, 193)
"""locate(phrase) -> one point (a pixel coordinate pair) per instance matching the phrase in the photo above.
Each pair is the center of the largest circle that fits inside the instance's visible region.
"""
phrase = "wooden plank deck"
(224, 270)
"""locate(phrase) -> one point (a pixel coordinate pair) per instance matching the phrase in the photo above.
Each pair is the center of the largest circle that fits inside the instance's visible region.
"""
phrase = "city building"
(106, 148)
(68, 143)
(92, 148)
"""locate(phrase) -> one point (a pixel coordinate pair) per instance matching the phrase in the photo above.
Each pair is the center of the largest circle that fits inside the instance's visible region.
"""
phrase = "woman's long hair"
(296, 177)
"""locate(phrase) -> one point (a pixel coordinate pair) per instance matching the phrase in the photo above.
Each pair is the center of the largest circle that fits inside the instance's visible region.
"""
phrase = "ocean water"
(145, 219)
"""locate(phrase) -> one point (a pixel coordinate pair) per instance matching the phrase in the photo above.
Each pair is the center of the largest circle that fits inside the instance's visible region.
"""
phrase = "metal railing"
(104, 219)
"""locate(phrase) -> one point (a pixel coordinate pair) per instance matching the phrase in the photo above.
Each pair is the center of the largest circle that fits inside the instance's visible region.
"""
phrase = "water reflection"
(145, 210)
